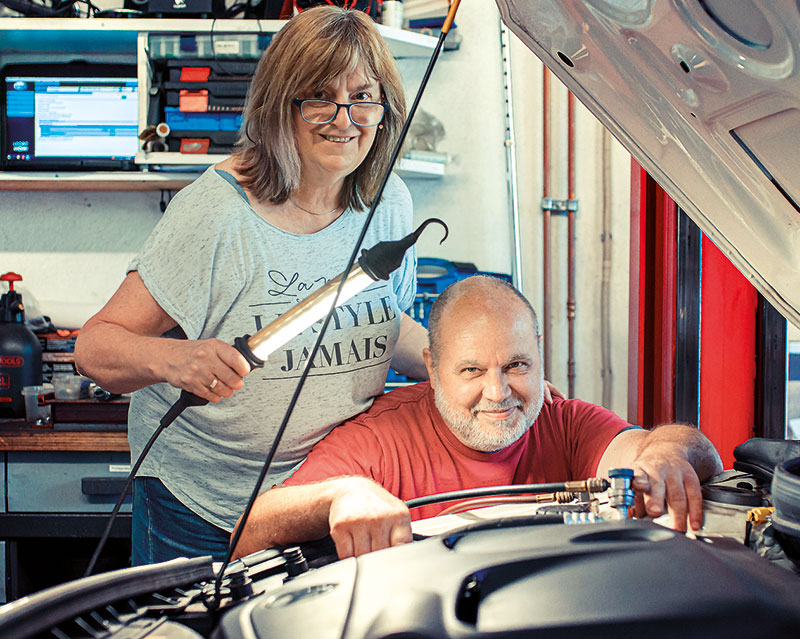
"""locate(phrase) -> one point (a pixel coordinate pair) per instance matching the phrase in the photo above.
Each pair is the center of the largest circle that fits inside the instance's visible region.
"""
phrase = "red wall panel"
(651, 326)
(727, 353)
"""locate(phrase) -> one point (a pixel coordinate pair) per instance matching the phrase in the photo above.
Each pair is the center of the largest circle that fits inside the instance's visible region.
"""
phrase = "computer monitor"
(71, 116)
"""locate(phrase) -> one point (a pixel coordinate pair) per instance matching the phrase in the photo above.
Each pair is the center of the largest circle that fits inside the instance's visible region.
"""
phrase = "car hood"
(705, 95)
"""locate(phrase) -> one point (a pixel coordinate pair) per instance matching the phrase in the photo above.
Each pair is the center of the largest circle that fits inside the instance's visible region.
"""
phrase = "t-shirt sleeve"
(587, 431)
(187, 255)
(349, 449)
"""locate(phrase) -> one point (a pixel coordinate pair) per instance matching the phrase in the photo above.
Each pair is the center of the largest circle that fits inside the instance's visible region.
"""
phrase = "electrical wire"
(483, 502)
(170, 417)
(468, 493)
(29, 8)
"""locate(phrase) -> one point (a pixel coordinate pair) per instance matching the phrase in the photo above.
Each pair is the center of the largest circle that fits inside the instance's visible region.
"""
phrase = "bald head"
(471, 298)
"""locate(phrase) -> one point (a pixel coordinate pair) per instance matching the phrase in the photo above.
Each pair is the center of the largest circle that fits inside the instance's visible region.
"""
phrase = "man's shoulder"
(401, 403)
(565, 410)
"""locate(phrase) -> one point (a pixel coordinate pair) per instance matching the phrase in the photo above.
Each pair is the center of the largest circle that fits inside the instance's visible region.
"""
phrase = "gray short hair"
(458, 290)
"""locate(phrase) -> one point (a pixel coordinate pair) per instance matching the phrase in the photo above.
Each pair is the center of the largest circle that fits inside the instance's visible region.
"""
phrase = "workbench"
(57, 488)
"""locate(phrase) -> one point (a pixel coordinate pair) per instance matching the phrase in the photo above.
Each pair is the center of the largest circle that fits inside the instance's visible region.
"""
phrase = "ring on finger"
(214, 382)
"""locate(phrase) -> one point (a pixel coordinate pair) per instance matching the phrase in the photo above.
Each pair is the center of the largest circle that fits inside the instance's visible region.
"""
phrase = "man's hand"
(364, 517)
(669, 463)
(664, 481)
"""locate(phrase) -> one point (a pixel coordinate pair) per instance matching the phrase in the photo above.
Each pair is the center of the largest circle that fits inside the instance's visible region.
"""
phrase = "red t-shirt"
(403, 444)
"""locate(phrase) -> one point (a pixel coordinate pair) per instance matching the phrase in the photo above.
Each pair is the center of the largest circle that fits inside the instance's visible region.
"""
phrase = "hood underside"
(705, 94)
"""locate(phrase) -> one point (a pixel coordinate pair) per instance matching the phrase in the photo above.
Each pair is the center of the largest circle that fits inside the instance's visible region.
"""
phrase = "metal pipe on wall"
(605, 283)
(547, 325)
(511, 159)
(570, 244)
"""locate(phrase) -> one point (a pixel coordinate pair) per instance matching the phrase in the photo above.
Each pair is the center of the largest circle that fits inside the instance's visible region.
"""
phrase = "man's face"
(489, 384)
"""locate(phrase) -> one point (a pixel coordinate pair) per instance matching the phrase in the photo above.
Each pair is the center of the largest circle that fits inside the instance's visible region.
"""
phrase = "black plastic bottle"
(20, 352)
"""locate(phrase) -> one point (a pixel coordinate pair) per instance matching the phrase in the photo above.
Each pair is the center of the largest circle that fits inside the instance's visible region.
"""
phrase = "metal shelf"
(94, 181)
(168, 180)
(86, 35)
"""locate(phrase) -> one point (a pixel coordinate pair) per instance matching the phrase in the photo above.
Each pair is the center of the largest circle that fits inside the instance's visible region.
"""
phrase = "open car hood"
(705, 94)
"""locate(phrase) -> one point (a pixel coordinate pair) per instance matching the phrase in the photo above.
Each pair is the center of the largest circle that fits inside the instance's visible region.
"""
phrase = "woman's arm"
(407, 358)
(121, 348)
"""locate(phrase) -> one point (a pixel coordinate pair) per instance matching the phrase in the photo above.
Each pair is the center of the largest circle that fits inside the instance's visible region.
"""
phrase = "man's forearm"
(696, 447)
(286, 515)
(360, 515)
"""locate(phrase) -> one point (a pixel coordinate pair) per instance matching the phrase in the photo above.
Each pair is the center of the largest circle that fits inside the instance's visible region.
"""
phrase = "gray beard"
(470, 432)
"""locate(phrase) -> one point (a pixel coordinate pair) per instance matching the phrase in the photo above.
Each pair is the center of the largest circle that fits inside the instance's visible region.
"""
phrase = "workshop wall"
(466, 94)
(72, 247)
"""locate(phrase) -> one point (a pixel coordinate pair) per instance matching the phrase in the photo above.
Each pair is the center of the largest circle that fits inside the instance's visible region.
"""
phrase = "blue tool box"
(433, 276)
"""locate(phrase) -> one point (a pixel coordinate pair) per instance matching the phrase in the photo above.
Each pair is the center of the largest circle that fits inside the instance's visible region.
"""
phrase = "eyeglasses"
(316, 111)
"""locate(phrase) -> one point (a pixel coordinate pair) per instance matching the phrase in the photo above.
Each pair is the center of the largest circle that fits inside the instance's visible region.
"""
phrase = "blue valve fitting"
(620, 495)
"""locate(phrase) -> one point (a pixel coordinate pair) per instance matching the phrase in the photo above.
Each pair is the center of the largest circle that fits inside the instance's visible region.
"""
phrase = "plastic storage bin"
(208, 45)
(193, 121)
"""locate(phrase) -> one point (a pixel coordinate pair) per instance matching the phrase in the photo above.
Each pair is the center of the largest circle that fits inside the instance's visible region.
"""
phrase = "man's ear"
(426, 356)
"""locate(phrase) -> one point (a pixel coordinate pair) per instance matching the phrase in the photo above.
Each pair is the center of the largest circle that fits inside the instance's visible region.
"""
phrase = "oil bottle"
(20, 352)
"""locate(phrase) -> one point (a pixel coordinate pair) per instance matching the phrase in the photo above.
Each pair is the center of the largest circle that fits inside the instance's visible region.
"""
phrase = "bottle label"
(12, 361)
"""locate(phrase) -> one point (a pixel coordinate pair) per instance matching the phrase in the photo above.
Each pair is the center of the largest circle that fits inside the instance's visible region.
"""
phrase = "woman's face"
(329, 152)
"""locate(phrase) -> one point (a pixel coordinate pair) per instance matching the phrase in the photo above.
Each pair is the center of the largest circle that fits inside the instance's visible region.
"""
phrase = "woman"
(246, 241)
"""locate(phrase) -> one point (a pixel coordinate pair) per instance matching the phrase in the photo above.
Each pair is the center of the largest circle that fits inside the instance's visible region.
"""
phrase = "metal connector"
(620, 495)
(581, 518)
(559, 207)
(593, 485)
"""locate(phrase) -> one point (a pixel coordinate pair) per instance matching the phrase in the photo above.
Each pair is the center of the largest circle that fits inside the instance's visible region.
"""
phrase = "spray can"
(20, 352)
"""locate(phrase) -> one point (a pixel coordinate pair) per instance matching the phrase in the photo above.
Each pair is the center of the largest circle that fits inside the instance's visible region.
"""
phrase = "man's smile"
(499, 415)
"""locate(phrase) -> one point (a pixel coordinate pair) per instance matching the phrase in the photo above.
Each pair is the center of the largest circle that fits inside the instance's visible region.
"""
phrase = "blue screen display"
(52, 118)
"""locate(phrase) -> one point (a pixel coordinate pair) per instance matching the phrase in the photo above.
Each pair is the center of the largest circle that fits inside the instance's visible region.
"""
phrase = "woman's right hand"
(194, 365)
(122, 349)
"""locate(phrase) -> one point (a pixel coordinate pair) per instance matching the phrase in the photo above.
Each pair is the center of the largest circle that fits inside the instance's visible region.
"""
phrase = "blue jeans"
(163, 528)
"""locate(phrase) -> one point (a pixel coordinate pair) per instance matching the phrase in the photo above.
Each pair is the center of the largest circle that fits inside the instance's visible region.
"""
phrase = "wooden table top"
(18, 435)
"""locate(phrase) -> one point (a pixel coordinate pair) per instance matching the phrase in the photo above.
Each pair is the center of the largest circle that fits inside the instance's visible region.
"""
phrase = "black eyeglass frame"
(299, 103)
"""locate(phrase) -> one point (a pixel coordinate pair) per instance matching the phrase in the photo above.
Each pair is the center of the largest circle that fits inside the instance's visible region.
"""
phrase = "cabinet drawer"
(65, 481)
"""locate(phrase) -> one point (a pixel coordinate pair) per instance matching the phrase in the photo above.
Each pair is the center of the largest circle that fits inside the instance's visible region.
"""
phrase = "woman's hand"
(209, 368)
(122, 349)
(551, 391)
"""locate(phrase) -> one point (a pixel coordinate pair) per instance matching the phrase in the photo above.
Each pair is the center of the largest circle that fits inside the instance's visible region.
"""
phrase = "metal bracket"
(559, 207)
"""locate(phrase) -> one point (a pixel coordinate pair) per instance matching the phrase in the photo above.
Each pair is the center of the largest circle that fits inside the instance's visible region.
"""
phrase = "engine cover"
(597, 580)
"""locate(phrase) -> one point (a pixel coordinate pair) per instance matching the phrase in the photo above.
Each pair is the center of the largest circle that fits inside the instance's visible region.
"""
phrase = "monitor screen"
(70, 116)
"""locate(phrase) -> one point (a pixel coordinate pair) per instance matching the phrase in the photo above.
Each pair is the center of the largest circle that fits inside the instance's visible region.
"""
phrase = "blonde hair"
(308, 53)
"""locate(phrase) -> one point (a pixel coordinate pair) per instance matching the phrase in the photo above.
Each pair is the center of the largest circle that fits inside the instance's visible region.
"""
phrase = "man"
(480, 421)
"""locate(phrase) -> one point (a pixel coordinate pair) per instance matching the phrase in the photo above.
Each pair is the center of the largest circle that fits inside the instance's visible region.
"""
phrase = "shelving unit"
(26, 35)
(124, 40)
(157, 180)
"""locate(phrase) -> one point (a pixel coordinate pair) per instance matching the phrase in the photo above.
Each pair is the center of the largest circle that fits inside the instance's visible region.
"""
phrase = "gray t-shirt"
(220, 270)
